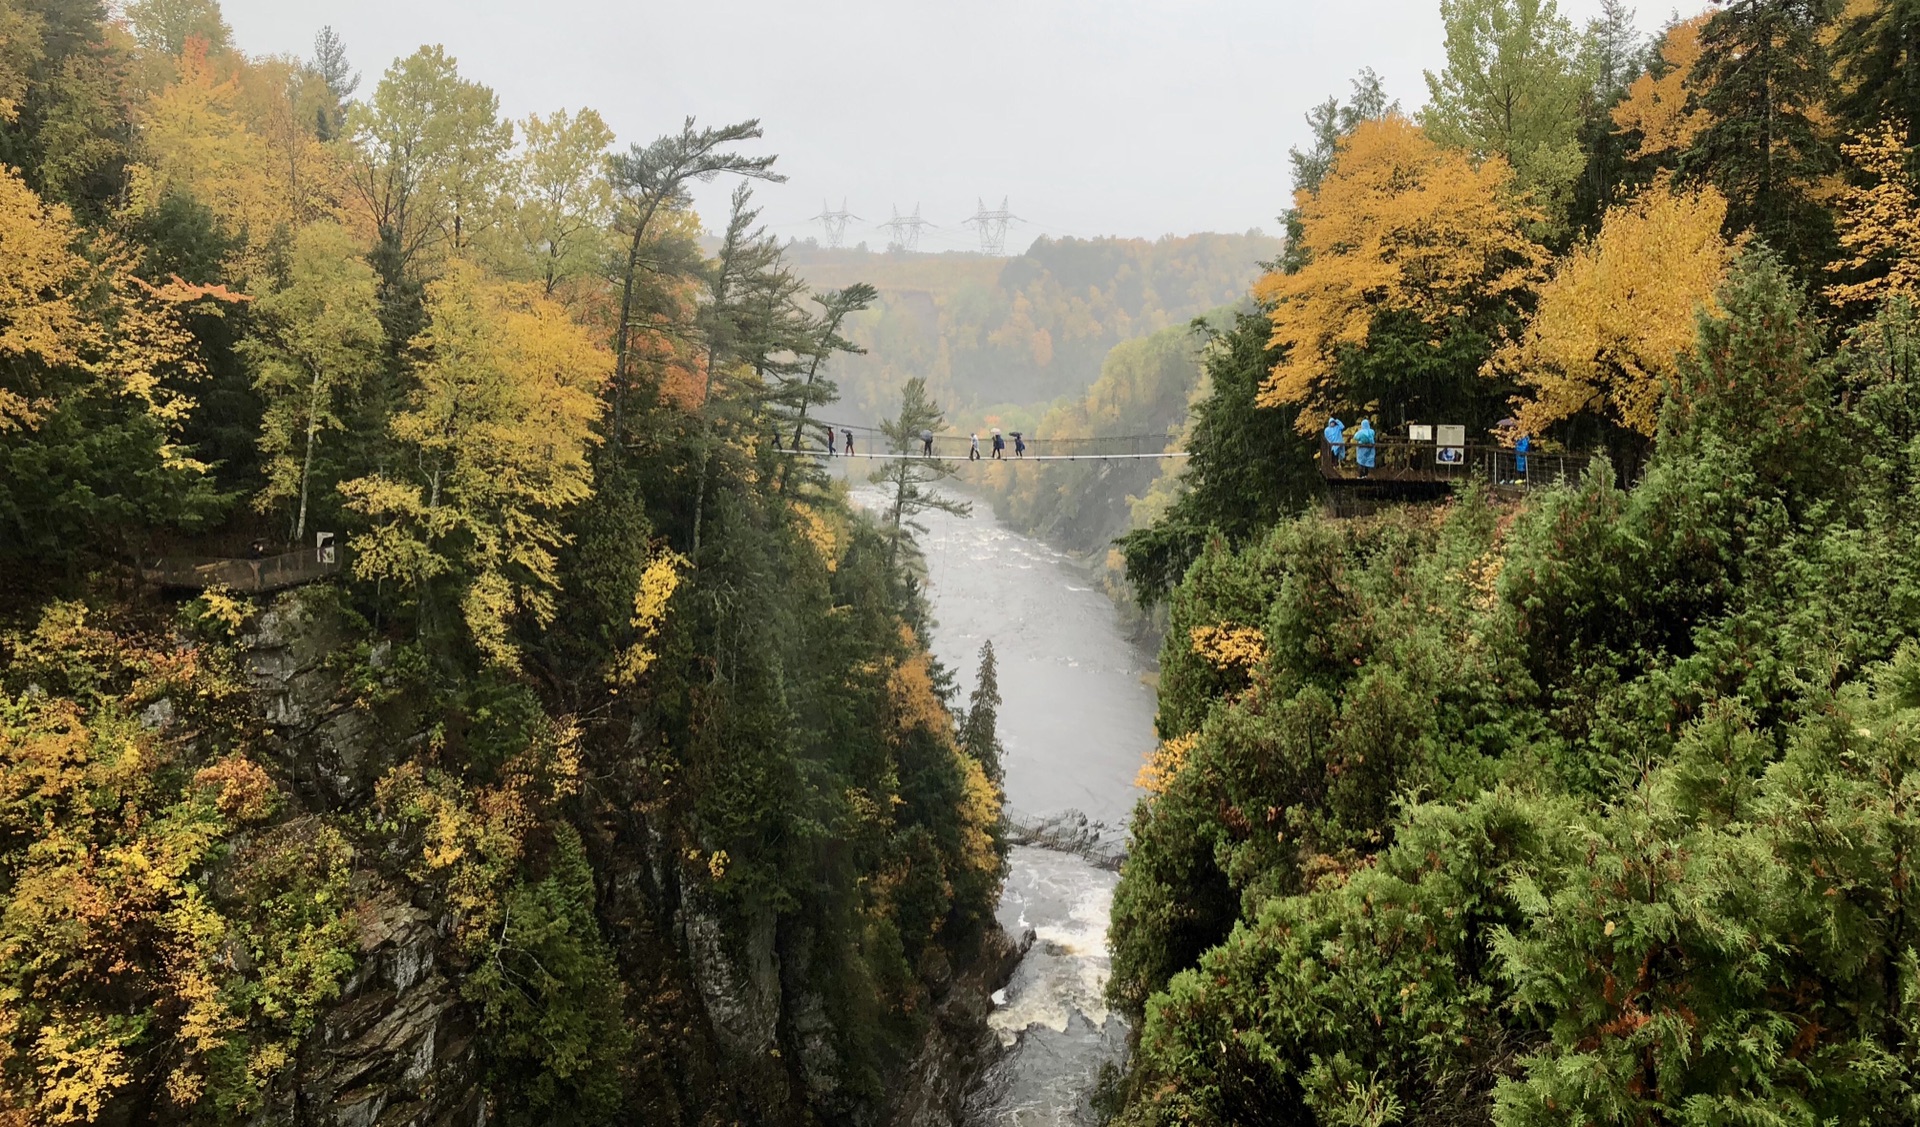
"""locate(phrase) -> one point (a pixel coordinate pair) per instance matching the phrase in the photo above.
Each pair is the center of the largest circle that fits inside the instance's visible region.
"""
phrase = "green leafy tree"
(166, 25)
(317, 341)
(556, 234)
(1514, 85)
(427, 161)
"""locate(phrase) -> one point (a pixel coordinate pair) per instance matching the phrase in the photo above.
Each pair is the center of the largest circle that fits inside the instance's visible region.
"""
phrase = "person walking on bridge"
(848, 436)
(999, 445)
(973, 452)
(830, 441)
(1019, 445)
(926, 444)
(1363, 450)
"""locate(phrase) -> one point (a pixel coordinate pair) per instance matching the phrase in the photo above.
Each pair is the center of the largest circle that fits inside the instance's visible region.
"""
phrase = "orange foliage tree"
(1609, 326)
(1400, 225)
(1660, 108)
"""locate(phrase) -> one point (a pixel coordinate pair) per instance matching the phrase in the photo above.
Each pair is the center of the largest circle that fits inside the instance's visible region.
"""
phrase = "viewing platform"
(1408, 470)
(250, 576)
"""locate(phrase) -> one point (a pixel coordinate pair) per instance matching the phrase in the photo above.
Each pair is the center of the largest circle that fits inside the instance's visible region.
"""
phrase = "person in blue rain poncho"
(1363, 450)
(1336, 430)
(1520, 449)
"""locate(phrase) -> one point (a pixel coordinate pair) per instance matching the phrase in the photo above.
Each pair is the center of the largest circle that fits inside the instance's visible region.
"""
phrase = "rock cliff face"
(960, 1046)
(398, 1049)
(753, 1039)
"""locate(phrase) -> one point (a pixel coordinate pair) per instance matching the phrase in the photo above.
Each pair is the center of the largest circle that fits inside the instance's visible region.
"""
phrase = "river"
(1076, 722)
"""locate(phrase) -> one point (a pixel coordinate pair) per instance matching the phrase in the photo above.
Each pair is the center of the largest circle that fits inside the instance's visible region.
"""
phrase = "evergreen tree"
(330, 64)
(1876, 59)
(796, 396)
(909, 476)
(979, 727)
(1330, 121)
(1248, 467)
(1612, 53)
(1762, 78)
(652, 179)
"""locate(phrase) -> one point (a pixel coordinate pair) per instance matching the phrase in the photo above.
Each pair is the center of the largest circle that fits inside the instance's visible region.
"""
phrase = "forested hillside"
(1024, 331)
(1582, 805)
(597, 772)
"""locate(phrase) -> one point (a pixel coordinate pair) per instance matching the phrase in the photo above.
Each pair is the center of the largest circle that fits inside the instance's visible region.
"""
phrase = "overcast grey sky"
(1095, 117)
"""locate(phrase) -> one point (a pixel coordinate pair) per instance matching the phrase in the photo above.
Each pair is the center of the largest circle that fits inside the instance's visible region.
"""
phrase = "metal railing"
(1399, 460)
(249, 576)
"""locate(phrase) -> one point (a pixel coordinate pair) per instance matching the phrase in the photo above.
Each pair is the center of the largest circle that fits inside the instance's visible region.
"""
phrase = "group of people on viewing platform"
(1364, 451)
(1365, 443)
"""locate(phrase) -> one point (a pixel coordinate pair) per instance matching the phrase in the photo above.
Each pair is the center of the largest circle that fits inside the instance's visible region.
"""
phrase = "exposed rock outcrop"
(397, 1049)
(960, 1046)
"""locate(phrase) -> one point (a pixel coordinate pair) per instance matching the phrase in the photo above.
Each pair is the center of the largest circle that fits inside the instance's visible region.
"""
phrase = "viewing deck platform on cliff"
(1406, 470)
(250, 576)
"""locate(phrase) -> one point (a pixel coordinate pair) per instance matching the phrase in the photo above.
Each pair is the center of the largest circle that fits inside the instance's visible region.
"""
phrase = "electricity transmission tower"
(903, 231)
(993, 226)
(834, 223)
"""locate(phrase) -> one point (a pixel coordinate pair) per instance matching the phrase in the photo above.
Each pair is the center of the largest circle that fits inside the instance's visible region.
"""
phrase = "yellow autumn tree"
(1879, 223)
(42, 326)
(1399, 225)
(498, 424)
(658, 582)
(282, 102)
(70, 326)
(1619, 311)
(195, 141)
(1659, 109)
(316, 340)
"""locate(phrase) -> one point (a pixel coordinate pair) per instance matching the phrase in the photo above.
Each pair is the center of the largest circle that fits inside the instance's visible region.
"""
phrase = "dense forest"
(602, 776)
(993, 336)
(1591, 804)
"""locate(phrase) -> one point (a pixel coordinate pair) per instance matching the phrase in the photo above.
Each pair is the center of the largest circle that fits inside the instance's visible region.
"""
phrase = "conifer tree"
(910, 475)
(1762, 78)
(652, 178)
(979, 729)
(1876, 58)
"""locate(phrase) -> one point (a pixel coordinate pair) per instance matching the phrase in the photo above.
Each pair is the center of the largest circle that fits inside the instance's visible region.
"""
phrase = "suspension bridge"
(872, 444)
